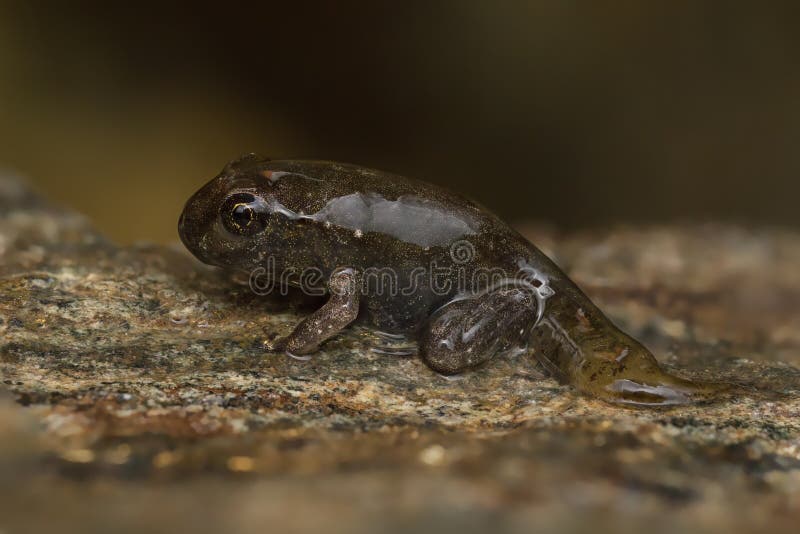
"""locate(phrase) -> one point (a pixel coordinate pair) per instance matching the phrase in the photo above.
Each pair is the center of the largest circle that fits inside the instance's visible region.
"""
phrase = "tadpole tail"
(607, 364)
(663, 389)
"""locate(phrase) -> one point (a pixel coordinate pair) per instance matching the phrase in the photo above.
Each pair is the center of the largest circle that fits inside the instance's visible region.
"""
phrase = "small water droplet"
(178, 319)
(298, 358)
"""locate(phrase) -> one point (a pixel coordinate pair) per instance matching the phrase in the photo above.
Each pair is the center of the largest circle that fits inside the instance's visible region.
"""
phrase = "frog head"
(239, 218)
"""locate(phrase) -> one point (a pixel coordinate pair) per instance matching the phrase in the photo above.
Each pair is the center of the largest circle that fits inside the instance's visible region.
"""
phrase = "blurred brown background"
(573, 113)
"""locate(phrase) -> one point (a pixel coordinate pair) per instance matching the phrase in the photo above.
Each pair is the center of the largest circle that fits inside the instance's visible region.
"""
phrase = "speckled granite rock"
(137, 397)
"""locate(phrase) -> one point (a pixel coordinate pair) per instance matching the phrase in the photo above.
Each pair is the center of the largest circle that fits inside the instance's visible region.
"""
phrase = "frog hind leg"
(468, 332)
(337, 313)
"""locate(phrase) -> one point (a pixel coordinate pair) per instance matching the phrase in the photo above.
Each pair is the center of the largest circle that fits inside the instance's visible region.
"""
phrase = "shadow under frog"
(409, 257)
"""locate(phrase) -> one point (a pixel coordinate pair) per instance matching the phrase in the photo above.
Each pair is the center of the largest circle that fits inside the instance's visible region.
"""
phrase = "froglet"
(412, 258)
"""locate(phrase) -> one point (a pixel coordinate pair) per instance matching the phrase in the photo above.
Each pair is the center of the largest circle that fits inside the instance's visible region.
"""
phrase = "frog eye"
(243, 214)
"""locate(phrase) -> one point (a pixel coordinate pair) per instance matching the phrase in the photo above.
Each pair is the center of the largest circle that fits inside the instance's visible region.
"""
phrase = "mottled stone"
(137, 396)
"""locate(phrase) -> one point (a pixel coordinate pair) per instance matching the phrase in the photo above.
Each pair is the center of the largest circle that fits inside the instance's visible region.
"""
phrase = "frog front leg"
(340, 310)
(468, 332)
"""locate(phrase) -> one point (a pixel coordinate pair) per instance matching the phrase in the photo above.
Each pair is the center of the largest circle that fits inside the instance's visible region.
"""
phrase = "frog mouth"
(194, 238)
(204, 248)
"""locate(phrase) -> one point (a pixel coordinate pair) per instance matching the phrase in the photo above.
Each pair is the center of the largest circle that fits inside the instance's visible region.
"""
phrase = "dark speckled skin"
(351, 223)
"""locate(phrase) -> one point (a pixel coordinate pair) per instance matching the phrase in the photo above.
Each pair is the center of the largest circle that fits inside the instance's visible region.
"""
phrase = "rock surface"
(137, 396)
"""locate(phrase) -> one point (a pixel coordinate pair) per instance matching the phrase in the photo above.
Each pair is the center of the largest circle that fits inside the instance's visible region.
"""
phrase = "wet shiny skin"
(348, 221)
